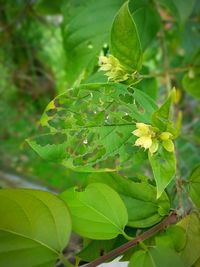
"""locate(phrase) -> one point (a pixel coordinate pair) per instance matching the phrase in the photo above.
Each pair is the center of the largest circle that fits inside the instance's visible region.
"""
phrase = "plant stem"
(171, 219)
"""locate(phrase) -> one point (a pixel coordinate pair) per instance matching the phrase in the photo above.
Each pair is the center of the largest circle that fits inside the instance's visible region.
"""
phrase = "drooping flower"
(113, 69)
(149, 138)
(146, 136)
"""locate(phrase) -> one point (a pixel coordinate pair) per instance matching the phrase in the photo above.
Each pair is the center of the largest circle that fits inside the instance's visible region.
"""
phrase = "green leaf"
(125, 43)
(156, 257)
(144, 210)
(95, 249)
(174, 238)
(197, 263)
(97, 212)
(90, 128)
(194, 186)
(191, 83)
(86, 28)
(161, 117)
(147, 20)
(191, 252)
(35, 227)
(44, 7)
(163, 164)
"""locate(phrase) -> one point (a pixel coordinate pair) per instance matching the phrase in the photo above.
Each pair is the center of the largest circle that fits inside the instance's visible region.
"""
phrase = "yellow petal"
(144, 128)
(154, 147)
(137, 133)
(144, 141)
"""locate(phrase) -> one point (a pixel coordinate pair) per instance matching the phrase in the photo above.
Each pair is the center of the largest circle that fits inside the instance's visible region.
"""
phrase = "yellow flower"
(149, 138)
(146, 136)
(144, 141)
(114, 70)
(142, 129)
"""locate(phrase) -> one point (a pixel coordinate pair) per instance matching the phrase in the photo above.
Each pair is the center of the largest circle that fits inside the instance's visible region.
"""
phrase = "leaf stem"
(127, 236)
(171, 219)
(65, 261)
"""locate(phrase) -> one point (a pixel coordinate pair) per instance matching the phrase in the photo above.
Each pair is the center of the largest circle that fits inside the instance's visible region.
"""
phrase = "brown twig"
(171, 219)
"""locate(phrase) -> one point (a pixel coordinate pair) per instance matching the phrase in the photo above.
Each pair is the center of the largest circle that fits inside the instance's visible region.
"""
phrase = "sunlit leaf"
(144, 210)
(35, 227)
(97, 212)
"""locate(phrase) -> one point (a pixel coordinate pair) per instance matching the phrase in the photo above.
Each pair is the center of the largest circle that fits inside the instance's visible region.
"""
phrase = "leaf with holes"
(35, 227)
(97, 212)
(125, 42)
(144, 210)
(90, 128)
(86, 28)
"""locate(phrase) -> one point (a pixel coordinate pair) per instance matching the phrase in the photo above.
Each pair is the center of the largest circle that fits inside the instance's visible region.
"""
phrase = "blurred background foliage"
(47, 47)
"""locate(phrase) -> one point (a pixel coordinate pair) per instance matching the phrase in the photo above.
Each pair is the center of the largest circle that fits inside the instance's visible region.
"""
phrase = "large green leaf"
(156, 257)
(86, 28)
(163, 164)
(144, 210)
(125, 43)
(194, 188)
(35, 227)
(97, 212)
(90, 128)
(191, 251)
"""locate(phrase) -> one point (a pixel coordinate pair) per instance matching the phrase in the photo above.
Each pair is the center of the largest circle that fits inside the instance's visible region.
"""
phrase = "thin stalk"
(171, 219)
(65, 261)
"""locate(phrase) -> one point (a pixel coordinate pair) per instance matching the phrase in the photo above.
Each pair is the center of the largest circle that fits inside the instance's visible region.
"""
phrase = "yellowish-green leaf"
(35, 227)
(98, 212)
